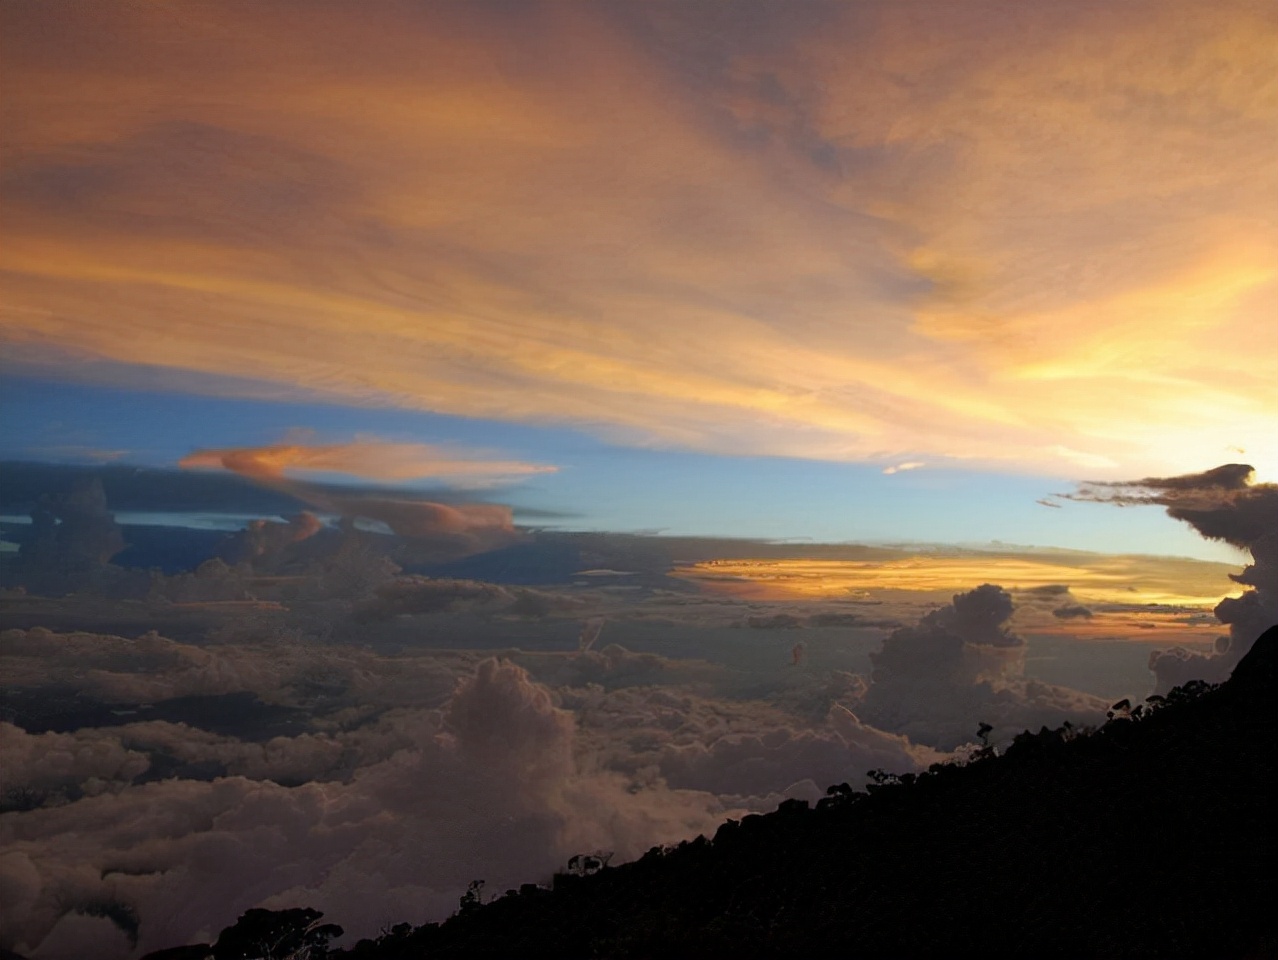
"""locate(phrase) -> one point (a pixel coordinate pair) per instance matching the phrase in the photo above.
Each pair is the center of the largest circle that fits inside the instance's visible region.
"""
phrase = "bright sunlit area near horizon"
(440, 440)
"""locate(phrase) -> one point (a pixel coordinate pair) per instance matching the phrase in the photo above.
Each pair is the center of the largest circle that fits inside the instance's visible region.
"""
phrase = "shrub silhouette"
(294, 934)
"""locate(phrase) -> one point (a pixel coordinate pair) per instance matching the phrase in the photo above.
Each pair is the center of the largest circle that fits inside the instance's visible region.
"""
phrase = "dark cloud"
(1072, 612)
(1228, 476)
(1052, 590)
(775, 621)
(262, 541)
(951, 643)
(69, 544)
(424, 595)
(1221, 504)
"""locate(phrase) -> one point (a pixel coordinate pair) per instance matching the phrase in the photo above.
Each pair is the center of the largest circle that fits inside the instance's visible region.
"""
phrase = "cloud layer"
(866, 231)
(438, 529)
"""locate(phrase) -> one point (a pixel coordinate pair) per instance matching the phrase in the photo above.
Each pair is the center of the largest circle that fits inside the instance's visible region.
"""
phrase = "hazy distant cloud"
(1048, 590)
(901, 467)
(261, 539)
(1072, 612)
(78, 453)
(71, 540)
(368, 459)
(424, 595)
(801, 255)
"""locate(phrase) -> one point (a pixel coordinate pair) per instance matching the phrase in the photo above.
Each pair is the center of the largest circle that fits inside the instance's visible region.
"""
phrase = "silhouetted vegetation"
(295, 934)
(1151, 836)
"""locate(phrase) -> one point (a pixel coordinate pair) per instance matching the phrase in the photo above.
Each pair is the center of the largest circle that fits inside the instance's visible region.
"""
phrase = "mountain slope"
(1149, 838)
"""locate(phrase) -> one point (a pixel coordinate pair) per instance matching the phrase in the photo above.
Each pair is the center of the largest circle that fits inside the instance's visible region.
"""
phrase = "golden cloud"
(1093, 578)
(1031, 235)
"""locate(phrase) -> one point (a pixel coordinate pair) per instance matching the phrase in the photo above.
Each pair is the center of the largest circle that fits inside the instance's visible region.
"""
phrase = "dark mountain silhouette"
(1152, 836)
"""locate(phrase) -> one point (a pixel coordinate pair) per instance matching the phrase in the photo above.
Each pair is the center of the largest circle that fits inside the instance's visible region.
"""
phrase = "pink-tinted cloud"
(1024, 234)
(452, 529)
(369, 459)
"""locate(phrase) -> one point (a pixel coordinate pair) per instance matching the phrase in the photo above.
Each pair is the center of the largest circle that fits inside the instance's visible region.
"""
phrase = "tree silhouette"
(473, 897)
(259, 934)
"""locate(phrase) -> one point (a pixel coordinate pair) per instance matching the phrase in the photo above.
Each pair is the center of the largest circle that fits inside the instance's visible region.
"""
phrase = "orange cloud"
(1091, 578)
(1028, 235)
(369, 459)
(440, 529)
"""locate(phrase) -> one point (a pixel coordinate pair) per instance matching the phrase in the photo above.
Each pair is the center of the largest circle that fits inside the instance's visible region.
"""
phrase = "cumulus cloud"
(85, 762)
(412, 761)
(1221, 504)
(962, 642)
(960, 665)
(414, 774)
(754, 769)
(439, 530)
(277, 667)
(70, 542)
(488, 786)
(749, 753)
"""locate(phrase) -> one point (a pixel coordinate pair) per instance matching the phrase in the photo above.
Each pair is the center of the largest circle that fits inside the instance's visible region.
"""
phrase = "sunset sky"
(842, 271)
(438, 439)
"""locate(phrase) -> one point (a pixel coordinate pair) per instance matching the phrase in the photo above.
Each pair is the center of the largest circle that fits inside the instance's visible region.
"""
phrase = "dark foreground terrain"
(1150, 837)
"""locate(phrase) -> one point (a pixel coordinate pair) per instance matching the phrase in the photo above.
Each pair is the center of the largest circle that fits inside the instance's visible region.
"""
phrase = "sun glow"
(1097, 579)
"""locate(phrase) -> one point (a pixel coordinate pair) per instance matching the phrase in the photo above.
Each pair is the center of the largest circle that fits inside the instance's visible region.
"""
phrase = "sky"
(842, 271)
(440, 439)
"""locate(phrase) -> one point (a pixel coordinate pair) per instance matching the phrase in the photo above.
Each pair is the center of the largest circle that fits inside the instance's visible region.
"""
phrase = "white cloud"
(902, 467)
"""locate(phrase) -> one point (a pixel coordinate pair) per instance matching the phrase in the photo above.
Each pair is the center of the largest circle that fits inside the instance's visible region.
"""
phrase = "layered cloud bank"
(858, 231)
(376, 811)
(298, 721)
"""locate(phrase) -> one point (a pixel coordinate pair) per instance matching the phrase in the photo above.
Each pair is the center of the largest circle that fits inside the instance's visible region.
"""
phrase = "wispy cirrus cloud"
(1026, 235)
